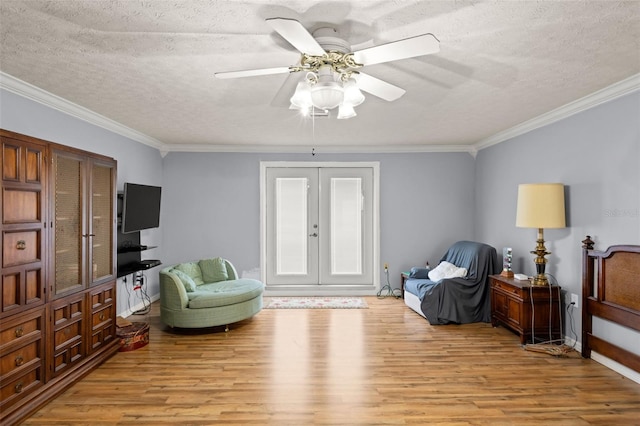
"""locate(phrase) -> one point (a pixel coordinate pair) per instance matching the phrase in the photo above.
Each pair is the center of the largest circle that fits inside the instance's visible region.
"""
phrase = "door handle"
(313, 235)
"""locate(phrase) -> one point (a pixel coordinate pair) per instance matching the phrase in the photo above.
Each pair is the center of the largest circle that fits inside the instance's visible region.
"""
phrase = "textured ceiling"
(149, 65)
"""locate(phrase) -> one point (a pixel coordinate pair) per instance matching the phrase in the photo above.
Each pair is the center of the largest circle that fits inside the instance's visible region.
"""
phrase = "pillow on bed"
(446, 270)
(420, 273)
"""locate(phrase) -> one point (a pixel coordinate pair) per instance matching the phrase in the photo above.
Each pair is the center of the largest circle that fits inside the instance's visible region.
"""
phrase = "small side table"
(526, 309)
(403, 278)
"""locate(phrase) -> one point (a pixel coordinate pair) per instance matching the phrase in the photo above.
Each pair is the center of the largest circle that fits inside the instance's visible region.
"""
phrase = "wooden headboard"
(610, 290)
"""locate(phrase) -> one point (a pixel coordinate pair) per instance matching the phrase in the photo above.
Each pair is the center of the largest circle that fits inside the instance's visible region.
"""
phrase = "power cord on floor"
(556, 347)
(140, 284)
(386, 290)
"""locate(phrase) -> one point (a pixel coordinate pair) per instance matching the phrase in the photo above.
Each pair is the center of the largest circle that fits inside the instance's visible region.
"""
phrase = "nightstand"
(403, 278)
(527, 309)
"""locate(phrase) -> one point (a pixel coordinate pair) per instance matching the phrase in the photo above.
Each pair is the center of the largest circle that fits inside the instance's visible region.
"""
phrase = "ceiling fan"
(333, 77)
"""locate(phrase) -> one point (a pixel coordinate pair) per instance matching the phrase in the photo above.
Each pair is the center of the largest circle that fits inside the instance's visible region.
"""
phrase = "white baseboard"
(316, 292)
(615, 366)
(607, 362)
(140, 306)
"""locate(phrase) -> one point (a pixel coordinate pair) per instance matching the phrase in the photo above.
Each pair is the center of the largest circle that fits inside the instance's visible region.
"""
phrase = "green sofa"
(207, 293)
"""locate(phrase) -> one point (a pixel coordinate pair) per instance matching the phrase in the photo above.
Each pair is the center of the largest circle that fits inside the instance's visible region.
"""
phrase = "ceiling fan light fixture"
(301, 98)
(327, 95)
(346, 111)
(352, 94)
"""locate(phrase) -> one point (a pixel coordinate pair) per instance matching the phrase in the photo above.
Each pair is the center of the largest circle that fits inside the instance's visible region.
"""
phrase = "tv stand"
(129, 253)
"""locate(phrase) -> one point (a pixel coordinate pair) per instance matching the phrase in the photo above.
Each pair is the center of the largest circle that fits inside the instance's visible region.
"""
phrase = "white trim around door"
(324, 287)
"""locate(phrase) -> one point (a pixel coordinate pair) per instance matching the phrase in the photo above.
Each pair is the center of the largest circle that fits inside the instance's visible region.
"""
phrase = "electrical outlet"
(574, 300)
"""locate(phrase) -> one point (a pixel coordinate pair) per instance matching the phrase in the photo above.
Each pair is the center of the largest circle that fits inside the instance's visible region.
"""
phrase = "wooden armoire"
(58, 288)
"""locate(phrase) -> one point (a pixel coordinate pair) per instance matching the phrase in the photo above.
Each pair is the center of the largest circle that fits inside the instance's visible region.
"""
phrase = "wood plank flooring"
(382, 365)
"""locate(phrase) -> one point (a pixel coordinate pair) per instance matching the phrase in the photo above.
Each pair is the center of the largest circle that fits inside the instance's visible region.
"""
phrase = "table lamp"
(540, 205)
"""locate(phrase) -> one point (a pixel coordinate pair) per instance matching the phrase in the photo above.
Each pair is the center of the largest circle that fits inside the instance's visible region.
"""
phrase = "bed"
(457, 300)
(610, 291)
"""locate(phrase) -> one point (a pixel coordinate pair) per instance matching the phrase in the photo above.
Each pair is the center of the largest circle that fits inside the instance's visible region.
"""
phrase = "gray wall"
(596, 154)
(211, 205)
(137, 163)
(210, 201)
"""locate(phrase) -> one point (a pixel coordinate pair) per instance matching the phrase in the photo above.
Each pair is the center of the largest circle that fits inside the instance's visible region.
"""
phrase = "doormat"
(315, 303)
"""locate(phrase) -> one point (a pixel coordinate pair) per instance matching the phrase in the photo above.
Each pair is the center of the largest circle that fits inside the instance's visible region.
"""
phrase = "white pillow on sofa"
(446, 270)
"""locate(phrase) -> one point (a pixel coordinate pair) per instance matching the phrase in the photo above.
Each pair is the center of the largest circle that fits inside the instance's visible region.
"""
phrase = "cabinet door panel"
(23, 206)
(21, 288)
(102, 220)
(69, 229)
(514, 311)
(68, 331)
(102, 324)
(10, 160)
(23, 224)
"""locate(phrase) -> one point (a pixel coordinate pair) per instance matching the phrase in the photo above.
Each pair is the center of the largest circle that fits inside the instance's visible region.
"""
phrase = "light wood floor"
(382, 365)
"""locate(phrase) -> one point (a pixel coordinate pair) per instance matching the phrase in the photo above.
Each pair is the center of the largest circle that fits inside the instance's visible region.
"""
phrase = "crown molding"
(29, 91)
(609, 93)
(332, 149)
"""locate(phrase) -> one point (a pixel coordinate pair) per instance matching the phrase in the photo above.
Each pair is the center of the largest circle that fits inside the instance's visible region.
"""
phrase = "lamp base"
(540, 279)
(540, 261)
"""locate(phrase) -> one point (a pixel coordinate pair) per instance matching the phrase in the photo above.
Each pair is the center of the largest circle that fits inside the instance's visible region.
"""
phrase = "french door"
(319, 227)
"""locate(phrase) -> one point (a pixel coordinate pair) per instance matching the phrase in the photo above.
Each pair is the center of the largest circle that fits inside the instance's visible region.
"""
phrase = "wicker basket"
(134, 336)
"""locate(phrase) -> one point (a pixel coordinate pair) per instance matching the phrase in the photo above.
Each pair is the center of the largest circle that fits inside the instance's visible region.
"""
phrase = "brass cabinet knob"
(21, 245)
(18, 387)
(19, 360)
(19, 332)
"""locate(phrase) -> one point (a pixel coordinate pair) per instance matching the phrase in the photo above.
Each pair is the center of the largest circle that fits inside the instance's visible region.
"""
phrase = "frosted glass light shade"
(327, 95)
(301, 98)
(352, 94)
(346, 111)
(540, 205)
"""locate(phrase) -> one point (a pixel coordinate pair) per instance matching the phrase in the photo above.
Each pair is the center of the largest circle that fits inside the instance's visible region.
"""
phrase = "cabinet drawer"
(21, 358)
(68, 335)
(20, 331)
(102, 317)
(507, 288)
(13, 390)
(19, 248)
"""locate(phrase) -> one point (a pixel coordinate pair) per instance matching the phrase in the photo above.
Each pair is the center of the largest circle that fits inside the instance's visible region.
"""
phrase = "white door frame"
(330, 291)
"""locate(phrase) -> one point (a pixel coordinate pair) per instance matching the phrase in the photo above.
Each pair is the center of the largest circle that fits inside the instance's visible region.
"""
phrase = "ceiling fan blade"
(283, 96)
(425, 44)
(379, 88)
(252, 73)
(293, 31)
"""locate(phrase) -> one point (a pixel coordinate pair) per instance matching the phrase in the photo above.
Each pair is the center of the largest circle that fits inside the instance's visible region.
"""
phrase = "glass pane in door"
(346, 226)
(68, 223)
(101, 222)
(291, 226)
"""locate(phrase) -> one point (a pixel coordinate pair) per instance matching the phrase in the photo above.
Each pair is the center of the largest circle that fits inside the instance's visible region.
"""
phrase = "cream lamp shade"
(540, 205)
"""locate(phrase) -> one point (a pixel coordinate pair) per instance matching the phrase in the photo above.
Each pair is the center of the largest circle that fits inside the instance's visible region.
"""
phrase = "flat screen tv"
(140, 207)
